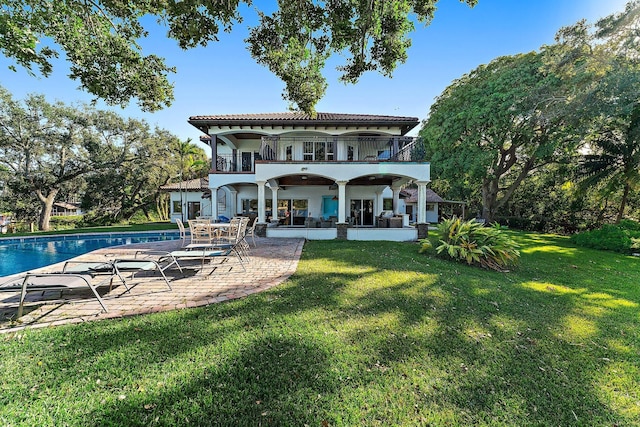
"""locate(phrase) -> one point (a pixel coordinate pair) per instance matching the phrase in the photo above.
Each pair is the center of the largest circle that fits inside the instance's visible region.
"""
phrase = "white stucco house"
(323, 177)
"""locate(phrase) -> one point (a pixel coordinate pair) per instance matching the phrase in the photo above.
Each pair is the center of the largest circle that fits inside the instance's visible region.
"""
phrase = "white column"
(379, 202)
(261, 203)
(274, 203)
(342, 201)
(232, 205)
(422, 202)
(214, 202)
(214, 153)
(396, 200)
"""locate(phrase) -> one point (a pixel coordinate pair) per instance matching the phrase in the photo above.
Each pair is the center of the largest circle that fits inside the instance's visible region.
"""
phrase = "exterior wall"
(432, 215)
(341, 171)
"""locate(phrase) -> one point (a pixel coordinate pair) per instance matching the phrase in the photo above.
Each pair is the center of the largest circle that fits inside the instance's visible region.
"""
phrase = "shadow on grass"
(366, 334)
(250, 389)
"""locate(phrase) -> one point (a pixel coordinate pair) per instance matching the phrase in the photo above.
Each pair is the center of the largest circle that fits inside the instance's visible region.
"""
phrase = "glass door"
(292, 212)
(362, 212)
(193, 210)
(300, 209)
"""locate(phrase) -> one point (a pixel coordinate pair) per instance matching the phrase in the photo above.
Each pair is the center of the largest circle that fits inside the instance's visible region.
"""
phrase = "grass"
(152, 226)
(363, 334)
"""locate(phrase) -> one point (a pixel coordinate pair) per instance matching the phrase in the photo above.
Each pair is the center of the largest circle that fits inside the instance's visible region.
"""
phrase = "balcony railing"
(343, 149)
(323, 149)
(243, 162)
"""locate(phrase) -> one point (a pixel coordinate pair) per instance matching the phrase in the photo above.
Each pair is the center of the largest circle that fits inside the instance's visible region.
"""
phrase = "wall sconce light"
(303, 169)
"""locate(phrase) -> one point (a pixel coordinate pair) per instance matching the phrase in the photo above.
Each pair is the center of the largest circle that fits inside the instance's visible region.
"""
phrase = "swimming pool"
(24, 254)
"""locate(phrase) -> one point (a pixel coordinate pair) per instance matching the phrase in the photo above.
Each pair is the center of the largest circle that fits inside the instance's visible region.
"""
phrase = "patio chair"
(183, 232)
(42, 282)
(251, 231)
(236, 236)
(202, 234)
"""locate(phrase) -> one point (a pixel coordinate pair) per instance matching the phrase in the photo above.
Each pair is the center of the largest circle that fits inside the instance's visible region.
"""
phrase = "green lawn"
(365, 333)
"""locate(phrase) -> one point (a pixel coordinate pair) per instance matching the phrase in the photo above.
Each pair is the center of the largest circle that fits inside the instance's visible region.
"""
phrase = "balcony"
(333, 150)
(341, 149)
(243, 162)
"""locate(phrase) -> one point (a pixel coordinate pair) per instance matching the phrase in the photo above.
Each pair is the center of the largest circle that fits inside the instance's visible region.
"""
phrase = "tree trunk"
(623, 203)
(489, 198)
(46, 208)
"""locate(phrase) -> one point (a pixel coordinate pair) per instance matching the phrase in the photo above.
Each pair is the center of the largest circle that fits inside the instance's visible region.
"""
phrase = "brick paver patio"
(272, 262)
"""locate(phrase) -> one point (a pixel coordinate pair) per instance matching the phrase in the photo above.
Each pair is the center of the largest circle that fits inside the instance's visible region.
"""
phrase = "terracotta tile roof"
(198, 184)
(411, 196)
(66, 205)
(300, 118)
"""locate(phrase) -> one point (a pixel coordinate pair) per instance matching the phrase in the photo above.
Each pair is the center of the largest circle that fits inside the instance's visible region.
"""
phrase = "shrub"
(473, 243)
(65, 222)
(620, 237)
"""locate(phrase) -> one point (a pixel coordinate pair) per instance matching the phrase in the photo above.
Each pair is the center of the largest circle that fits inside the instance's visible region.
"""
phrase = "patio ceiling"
(291, 180)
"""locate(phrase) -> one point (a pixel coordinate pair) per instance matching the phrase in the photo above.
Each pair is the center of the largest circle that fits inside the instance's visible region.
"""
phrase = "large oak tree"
(496, 125)
(42, 148)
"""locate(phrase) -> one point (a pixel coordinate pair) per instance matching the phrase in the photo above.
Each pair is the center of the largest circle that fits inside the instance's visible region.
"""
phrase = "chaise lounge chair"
(222, 254)
(41, 282)
(79, 275)
(115, 268)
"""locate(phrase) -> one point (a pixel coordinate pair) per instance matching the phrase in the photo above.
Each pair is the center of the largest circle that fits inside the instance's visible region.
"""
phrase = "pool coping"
(79, 236)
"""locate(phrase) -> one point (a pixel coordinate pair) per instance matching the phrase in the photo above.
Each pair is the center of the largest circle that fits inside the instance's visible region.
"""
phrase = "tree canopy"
(100, 39)
(115, 165)
(574, 104)
(494, 126)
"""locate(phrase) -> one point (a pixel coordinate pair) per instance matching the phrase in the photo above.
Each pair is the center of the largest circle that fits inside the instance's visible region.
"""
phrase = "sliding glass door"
(362, 212)
(293, 211)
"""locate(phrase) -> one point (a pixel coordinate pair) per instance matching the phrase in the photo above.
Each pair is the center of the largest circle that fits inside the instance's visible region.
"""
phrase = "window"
(289, 153)
(350, 152)
(177, 207)
(431, 206)
(250, 206)
(387, 204)
(318, 151)
(330, 151)
(307, 153)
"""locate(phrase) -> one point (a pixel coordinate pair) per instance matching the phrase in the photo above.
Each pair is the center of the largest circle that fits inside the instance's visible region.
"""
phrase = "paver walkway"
(272, 262)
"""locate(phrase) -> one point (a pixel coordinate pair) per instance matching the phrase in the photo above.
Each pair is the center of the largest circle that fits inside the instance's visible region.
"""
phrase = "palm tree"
(615, 162)
(191, 163)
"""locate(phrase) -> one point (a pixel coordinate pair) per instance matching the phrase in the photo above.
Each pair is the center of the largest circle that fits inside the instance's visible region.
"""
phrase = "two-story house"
(321, 177)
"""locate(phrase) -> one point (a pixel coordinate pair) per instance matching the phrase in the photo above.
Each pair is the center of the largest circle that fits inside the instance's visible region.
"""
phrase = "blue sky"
(223, 79)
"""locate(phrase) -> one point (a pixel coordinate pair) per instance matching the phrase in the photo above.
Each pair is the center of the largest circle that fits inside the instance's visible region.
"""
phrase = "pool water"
(20, 255)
